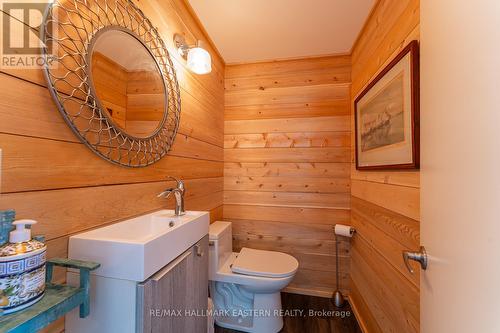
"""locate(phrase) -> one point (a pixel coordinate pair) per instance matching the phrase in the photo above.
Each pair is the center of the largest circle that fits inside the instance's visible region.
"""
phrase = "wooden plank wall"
(48, 175)
(287, 162)
(145, 100)
(385, 205)
(110, 82)
(134, 99)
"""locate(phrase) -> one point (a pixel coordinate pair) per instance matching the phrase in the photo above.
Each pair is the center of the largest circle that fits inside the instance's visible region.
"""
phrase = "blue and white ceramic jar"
(22, 270)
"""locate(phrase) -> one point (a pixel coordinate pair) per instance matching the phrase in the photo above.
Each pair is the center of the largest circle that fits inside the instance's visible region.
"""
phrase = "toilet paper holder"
(352, 230)
(345, 231)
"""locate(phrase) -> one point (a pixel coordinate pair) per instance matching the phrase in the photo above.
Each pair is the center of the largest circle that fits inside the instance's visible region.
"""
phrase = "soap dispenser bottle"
(22, 269)
(6, 219)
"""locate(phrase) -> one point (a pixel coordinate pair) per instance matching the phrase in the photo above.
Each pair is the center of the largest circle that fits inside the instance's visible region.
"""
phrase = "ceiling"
(111, 44)
(257, 30)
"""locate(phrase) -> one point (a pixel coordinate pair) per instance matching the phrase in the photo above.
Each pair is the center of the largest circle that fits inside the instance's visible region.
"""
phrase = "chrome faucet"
(179, 196)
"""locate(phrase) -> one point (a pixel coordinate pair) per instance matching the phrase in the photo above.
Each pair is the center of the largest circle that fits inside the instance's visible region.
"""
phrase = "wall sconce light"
(198, 59)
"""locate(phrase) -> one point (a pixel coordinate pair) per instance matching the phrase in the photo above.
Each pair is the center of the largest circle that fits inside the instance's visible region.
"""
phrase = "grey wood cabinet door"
(174, 300)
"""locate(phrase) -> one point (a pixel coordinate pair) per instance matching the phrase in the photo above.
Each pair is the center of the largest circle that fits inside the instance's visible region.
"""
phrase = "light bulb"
(199, 61)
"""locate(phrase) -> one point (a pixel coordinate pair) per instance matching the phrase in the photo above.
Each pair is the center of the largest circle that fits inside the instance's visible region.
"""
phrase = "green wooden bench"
(57, 301)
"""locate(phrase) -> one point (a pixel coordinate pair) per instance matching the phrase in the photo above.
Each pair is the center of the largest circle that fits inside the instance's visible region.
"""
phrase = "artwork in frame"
(387, 116)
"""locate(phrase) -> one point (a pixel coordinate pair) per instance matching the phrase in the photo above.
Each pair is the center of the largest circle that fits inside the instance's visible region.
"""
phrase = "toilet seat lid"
(264, 263)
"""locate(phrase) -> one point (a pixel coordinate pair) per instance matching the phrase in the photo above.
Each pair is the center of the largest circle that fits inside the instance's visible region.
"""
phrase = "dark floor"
(311, 321)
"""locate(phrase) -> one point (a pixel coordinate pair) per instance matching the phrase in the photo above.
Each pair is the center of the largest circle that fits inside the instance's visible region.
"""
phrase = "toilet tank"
(220, 245)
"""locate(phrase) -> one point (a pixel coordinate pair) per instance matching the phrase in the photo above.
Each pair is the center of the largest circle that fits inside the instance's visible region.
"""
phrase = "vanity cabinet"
(151, 265)
(175, 298)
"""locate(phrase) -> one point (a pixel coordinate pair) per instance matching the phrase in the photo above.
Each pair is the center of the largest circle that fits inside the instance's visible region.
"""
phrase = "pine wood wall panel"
(110, 80)
(336, 172)
(288, 199)
(287, 140)
(288, 110)
(292, 68)
(48, 175)
(300, 94)
(287, 154)
(287, 184)
(398, 198)
(290, 155)
(284, 125)
(385, 204)
(313, 77)
(78, 209)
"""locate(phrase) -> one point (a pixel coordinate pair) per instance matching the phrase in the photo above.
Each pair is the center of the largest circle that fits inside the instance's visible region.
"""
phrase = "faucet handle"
(165, 193)
(180, 183)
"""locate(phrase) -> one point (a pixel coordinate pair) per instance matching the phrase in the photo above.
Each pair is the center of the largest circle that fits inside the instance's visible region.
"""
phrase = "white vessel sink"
(137, 248)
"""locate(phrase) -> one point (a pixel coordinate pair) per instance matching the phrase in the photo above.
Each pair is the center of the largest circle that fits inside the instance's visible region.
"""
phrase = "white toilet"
(245, 287)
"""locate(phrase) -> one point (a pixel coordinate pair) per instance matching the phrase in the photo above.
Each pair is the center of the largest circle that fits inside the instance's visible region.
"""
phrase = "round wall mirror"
(112, 79)
(127, 82)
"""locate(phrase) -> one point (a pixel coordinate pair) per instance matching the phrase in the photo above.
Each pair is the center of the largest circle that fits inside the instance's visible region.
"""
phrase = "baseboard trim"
(326, 292)
(308, 292)
(357, 314)
(362, 311)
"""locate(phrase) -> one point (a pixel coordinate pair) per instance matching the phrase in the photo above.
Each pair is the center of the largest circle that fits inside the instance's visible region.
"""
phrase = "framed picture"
(387, 116)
